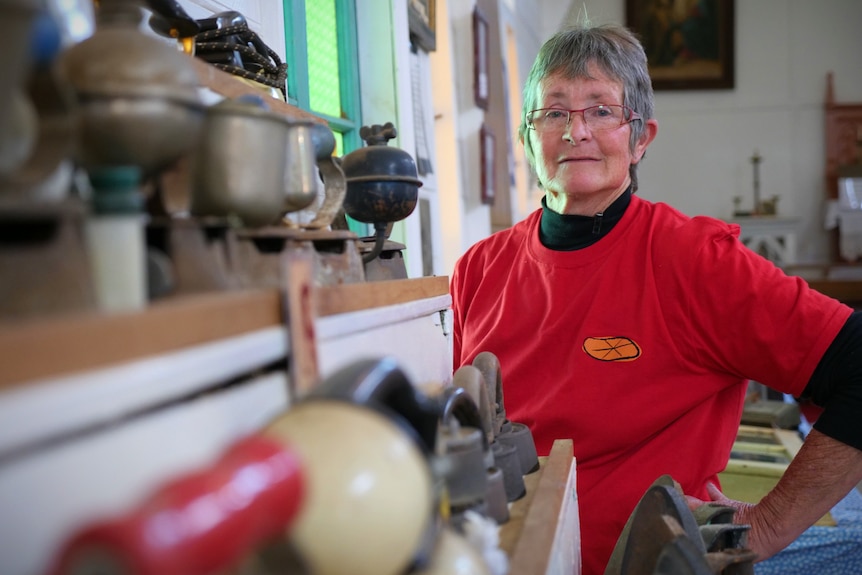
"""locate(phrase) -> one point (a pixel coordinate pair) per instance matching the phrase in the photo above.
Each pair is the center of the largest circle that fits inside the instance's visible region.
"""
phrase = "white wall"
(701, 157)
(265, 17)
(457, 125)
(385, 94)
(784, 49)
(464, 218)
(448, 128)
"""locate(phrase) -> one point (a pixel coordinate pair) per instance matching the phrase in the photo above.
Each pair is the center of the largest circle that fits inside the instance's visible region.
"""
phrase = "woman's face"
(588, 167)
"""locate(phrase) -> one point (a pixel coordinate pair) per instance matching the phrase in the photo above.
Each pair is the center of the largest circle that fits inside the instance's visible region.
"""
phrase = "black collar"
(564, 232)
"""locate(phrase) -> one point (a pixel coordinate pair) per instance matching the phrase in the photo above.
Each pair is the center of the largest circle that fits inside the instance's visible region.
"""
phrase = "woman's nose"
(577, 129)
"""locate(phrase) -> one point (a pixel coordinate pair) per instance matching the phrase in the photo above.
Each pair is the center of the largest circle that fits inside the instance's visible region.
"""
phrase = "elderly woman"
(633, 329)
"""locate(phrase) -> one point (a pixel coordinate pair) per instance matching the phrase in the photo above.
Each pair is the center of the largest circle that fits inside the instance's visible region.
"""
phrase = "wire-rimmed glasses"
(596, 118)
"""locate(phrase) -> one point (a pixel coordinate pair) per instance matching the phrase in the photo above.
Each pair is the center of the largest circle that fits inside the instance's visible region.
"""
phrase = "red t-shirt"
(638, 348)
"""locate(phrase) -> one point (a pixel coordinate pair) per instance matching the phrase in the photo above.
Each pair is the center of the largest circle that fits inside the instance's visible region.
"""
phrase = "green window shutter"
(322, 65)
(322, 69)
(324, 84)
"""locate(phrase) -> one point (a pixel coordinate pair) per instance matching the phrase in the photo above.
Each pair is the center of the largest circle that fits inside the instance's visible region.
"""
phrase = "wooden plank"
(846, 291)
(511, 530)
(755, 468)
(528, 536)
(344, 298)
(757, 431)
(34, 349)
(299, 305)
(44, 347)
(57, 409)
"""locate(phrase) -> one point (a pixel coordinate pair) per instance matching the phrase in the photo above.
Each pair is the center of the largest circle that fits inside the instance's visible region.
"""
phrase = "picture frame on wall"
(481, 45)
(422, 19)
(689, 43)
(487, 144)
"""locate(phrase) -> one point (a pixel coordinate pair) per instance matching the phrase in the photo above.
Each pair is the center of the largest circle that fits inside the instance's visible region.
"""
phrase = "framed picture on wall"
(487, 163)
(422, 17)
(689, 43)
(481, 45)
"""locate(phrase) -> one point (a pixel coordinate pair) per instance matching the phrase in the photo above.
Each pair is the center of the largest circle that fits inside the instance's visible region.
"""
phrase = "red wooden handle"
(199, 523)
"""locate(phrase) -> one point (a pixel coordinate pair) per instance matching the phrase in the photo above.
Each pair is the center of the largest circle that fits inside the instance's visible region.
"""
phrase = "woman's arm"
(822, 473)
(829, 463)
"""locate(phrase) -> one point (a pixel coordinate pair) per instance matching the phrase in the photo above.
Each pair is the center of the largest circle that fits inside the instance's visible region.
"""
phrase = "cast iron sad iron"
(382, 183)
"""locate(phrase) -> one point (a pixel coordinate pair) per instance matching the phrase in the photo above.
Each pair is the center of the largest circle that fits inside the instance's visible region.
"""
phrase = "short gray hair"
(615, 50)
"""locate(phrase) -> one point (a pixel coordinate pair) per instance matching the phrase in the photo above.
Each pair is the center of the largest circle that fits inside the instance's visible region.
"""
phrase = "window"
(320, 38)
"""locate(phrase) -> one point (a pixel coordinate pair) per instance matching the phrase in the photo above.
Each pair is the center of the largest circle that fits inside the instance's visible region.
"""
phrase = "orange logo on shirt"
(612, 348)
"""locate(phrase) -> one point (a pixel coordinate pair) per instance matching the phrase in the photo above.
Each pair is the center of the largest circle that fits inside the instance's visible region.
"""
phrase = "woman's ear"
(646, 138)
(528, 147)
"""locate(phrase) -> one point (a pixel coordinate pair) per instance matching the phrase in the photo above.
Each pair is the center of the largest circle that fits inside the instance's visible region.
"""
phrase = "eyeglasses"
(601, 117)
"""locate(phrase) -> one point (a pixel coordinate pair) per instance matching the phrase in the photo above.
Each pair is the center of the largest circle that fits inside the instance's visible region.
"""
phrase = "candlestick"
(755, 162)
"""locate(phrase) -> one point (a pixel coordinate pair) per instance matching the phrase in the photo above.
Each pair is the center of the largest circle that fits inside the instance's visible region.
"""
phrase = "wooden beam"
(45, 347)
(48, 347)
(357, 296)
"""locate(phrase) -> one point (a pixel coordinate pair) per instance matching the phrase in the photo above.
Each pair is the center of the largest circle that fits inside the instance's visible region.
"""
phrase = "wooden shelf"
(846, 291)
(39, 348)
(345, 298)
(48, 346)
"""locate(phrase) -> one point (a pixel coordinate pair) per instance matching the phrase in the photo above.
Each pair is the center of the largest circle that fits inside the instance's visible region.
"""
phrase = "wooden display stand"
(116, 388)
(89, 402)
(96, 409)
